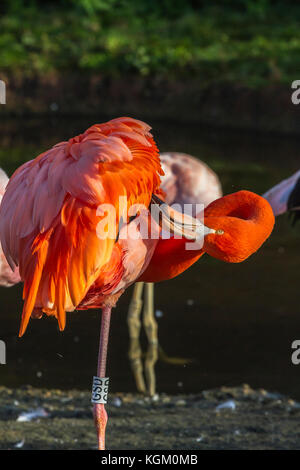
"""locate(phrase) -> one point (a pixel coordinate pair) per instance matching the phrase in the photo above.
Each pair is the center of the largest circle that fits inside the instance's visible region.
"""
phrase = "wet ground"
(223, 418)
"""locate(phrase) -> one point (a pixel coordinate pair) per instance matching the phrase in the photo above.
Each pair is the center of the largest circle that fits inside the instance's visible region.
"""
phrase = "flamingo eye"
(219, 232)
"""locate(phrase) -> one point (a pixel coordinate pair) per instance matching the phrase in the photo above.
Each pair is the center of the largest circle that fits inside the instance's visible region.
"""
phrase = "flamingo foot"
(100, 419)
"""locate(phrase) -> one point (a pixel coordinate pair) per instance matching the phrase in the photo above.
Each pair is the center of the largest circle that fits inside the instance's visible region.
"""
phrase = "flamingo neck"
(170, 259)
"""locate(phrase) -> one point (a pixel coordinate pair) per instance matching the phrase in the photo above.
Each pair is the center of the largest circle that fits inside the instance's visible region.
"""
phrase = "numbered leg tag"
(100, 390)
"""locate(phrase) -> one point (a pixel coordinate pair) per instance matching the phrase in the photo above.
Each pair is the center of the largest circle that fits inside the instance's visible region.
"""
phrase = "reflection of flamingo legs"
(154, 351)
(150, 327)
(134, 326)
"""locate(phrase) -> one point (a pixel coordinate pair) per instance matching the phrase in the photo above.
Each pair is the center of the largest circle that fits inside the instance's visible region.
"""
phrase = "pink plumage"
(7, 276)
(188, 180)
(285, 195)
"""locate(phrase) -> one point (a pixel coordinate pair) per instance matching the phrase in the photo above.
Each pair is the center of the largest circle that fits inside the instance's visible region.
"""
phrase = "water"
(235, 322)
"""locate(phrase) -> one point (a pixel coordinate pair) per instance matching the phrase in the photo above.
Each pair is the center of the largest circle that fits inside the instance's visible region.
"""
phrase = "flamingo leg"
(150, 326)
(100, 415)
(134, 326)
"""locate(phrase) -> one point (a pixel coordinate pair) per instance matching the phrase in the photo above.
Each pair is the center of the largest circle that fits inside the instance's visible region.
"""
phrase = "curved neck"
(169, 259)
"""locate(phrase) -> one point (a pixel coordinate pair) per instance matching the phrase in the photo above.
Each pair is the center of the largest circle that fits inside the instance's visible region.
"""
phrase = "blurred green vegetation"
(252, 42)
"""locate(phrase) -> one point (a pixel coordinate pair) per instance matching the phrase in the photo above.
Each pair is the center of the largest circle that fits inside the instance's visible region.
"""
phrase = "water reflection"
(243, 318)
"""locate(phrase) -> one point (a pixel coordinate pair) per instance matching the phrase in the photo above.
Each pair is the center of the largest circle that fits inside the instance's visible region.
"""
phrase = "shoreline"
(222, 418)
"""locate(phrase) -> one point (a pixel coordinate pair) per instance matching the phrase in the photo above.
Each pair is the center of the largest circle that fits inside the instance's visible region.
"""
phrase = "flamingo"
(285, 196)
(49, 226)
(186, 180)
(8, 277)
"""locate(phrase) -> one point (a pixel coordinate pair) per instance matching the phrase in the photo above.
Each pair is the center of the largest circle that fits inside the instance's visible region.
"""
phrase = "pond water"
(234, 323)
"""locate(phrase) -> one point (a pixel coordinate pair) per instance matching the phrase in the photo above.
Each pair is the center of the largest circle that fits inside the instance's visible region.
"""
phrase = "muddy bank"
(224, 418)
(267, 109)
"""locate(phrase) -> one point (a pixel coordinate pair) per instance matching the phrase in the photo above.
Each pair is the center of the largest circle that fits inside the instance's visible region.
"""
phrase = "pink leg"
(100, 415)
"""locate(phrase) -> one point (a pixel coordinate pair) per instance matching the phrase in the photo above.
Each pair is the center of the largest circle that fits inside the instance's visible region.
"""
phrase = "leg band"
(100, 390)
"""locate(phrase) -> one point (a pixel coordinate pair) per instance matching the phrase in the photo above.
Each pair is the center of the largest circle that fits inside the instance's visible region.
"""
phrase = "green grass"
(254, 43)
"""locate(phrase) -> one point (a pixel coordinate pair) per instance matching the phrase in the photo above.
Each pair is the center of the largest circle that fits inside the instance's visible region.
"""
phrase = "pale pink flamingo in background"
(285, 196)
(7, 277)
(49, 220)
(186, 180)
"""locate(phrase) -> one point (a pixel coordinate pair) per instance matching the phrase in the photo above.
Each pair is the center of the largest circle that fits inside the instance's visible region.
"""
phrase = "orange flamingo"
(186, 180)
(49, 220)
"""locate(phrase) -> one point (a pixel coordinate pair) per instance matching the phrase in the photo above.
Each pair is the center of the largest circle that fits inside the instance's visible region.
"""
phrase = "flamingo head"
(242, 222)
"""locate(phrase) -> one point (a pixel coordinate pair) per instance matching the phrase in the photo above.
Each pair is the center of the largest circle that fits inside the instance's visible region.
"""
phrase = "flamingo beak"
(180, 224)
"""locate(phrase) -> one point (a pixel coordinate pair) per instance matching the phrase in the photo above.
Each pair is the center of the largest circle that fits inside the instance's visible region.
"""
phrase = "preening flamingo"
(285, 196)
(186, 180)
(7, 277)
(49, 226)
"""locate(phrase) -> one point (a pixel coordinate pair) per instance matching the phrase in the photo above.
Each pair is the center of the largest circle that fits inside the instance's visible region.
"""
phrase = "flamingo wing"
(49, 214)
